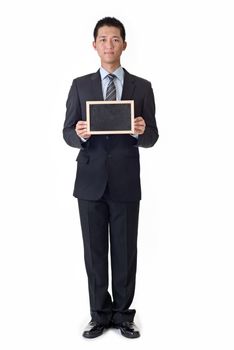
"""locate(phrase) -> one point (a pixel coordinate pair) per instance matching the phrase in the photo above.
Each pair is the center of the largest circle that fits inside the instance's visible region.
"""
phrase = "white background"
(184, 295)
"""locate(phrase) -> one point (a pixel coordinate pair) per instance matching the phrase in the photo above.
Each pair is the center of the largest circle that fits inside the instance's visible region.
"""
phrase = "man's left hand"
(139, 126)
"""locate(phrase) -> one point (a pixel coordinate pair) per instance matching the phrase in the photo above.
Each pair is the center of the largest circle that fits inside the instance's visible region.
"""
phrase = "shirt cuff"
(135, 135)
(82, 139)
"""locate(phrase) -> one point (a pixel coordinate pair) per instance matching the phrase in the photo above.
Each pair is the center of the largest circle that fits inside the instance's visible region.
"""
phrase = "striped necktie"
(111, 89)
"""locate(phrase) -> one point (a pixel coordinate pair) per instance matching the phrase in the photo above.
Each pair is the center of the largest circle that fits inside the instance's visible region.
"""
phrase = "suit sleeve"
(73, 115)
(150, 136)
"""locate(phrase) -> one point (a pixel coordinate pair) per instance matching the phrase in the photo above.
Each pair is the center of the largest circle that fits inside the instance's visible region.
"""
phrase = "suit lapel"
(97, 86)
(128, 86)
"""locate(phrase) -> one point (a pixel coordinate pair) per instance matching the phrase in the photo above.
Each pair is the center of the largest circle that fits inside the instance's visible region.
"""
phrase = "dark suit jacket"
(112, 159)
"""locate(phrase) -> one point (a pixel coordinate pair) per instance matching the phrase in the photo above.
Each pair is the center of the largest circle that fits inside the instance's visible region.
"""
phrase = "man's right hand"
(81, 129)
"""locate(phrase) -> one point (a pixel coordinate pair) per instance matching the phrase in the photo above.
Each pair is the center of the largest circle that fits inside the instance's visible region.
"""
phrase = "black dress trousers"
(100, 220)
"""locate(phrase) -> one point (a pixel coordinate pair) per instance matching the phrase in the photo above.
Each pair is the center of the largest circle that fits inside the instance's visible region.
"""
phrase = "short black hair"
(110, 22)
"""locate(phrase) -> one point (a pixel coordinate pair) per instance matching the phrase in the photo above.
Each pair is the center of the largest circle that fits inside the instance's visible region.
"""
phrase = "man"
(108, 180)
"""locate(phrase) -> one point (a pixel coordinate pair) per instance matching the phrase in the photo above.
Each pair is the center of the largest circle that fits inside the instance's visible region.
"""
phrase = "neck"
(110, 67)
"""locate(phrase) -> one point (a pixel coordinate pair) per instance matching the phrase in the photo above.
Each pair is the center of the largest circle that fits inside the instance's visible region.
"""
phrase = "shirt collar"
(119, 73)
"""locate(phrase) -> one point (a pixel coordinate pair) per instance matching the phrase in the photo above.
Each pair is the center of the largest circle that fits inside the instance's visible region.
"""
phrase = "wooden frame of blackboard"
(110, 117)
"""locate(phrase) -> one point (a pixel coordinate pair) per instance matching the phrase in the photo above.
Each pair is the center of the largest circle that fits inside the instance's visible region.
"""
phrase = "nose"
(109, 44)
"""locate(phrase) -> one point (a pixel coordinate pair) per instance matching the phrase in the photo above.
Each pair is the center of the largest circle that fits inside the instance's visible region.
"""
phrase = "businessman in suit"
(107, 181)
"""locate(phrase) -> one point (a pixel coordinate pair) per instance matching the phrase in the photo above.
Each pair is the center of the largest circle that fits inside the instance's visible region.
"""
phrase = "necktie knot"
(111, 76)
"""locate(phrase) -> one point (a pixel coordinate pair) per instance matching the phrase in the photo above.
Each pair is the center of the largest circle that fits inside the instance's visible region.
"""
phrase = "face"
(109, 45)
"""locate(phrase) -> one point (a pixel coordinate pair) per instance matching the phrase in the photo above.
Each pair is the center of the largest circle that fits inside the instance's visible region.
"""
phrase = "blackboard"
(110, 117)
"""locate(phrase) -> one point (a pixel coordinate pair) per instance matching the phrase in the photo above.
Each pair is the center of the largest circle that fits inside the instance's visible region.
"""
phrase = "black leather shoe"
(128, 329)
(93, 330)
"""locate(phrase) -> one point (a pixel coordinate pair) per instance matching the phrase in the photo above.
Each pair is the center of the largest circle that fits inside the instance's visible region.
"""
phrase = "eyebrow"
(104, 36)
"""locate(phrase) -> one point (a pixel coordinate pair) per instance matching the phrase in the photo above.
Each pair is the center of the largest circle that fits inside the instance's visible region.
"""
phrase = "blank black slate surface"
(113, 117)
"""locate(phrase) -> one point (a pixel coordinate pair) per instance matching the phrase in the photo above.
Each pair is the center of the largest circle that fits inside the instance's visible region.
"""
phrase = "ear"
(94, 45)
(124, 45)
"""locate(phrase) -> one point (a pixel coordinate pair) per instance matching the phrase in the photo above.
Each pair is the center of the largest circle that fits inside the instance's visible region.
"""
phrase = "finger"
(138, 129)
(81, 123)
(81, 127)
(139, 120)
(82, 133)
(139, 123)
(141, 130)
